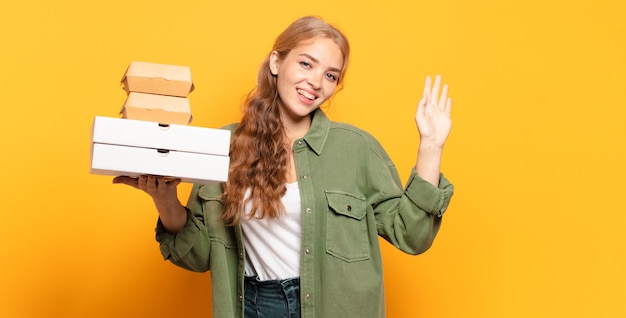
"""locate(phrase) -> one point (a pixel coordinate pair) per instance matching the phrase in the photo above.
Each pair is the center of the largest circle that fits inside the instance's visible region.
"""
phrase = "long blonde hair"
(259, 151)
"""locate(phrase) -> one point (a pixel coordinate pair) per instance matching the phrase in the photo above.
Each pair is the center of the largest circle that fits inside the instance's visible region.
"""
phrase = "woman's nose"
(315, 80)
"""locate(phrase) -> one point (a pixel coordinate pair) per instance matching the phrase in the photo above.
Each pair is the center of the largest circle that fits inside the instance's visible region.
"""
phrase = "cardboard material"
(161, 79)
(136, 147)
(145, 134)
(157, 108)
(114, 160)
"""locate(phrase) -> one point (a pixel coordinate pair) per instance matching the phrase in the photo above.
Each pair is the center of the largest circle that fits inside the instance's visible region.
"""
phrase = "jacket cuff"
(175, 246)
(429, 198)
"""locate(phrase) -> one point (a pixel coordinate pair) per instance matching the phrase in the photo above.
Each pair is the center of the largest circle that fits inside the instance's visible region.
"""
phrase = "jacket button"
(308, 210)
(307, 251)
(349, 208)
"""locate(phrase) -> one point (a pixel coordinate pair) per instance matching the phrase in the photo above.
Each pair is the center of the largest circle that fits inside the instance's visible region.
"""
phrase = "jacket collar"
(318, 133)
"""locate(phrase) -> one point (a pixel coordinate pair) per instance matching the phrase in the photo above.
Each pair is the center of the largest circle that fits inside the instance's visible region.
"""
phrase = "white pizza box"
(146, 134)
(117, 160)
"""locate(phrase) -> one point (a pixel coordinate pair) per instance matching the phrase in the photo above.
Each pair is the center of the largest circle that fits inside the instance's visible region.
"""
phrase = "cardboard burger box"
(157, 108)
(160, 79)
(137, 147)
(157, 92)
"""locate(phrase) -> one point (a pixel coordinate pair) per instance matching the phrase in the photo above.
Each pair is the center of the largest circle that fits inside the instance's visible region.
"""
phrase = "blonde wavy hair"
(259, 148)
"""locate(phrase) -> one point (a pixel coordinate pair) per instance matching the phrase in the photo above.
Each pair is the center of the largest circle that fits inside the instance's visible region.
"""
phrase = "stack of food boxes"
(153, 136)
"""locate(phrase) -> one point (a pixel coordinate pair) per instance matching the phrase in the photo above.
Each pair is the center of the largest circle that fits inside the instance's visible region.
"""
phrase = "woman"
(293, 232)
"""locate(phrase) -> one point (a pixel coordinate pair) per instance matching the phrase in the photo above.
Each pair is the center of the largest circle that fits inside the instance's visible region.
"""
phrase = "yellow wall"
(536, 153)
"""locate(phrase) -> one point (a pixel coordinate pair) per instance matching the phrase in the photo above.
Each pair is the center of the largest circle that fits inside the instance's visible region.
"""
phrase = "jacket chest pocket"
(347, 235)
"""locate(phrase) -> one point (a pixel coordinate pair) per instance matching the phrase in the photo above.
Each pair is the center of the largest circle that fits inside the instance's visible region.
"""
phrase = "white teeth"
(306, 94)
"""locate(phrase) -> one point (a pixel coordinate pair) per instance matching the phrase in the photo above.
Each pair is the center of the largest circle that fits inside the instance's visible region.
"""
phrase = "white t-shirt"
(273, 244)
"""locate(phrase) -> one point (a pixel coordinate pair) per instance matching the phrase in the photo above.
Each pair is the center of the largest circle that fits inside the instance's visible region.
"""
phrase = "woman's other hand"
(433, 114)
(158, 187)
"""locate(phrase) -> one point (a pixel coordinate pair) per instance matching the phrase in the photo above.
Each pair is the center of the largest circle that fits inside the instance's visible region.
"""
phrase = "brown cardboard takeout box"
(161, 79)
(157, 108)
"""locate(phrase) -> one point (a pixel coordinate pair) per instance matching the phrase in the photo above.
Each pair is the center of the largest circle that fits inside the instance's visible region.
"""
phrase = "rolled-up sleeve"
(431, 199)
(173, 247)
(408, 217)
(190, 247)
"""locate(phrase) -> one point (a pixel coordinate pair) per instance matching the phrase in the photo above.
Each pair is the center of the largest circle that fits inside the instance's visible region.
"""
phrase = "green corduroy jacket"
(351, 194)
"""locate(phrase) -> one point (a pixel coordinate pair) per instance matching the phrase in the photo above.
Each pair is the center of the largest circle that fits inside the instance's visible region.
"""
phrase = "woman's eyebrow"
(332, 69)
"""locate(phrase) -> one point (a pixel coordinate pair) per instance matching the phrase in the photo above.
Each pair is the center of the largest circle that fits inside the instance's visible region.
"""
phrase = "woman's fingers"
(127, 181)
(151, 184)
(158, 187)
(172, 182)
(443, 99)
(156, 184)
(434, 93)
(427, 88)
(431, 92)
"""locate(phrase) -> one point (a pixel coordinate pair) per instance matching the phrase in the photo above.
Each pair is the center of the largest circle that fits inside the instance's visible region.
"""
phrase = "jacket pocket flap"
(346, 204)
(210, 192)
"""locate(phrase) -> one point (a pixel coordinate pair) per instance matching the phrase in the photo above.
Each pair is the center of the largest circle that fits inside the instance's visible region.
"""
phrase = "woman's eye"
(305, 64)
(331, 77)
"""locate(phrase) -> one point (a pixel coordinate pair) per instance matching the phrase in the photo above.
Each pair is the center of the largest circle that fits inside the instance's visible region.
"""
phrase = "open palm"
(433, 113)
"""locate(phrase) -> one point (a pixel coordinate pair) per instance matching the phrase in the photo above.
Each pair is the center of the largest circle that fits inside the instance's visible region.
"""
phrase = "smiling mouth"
(306, 94)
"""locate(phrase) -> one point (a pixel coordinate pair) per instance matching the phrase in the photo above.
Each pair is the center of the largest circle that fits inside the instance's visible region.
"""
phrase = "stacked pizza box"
(154, 136)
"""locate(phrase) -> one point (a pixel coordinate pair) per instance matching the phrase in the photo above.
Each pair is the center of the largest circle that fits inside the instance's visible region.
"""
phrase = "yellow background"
(536, 228)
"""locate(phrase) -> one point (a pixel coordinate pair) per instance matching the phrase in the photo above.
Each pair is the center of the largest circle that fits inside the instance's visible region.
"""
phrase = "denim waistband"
(278, 283)
(272, 298)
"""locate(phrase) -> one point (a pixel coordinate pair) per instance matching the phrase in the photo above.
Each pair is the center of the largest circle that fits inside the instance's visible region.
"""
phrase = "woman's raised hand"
(433, 114)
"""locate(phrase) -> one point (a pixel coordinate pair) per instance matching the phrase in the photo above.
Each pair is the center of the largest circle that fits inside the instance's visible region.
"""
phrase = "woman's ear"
(274, 63)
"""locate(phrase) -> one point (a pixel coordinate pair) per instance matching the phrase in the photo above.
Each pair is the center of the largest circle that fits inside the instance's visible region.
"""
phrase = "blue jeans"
(272, 298)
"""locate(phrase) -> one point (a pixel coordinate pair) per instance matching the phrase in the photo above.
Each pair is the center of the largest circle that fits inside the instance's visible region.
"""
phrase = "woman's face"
(307, 76)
